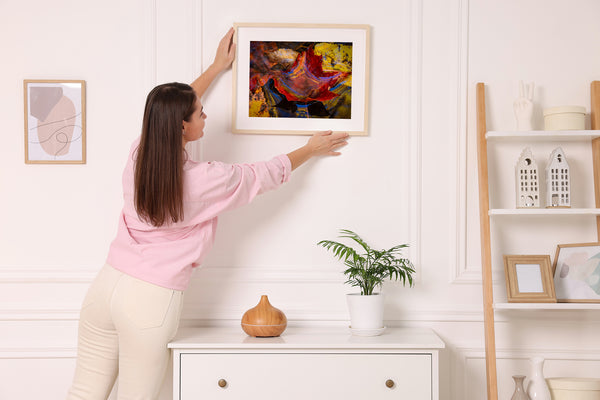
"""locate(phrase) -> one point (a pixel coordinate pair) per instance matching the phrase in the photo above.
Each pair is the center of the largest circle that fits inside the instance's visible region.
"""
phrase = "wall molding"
(37, 353)
(51, 275)
(196, 7)
(317, 312)
(460, 272)
(294, 312)
(149, 45)
(39, 314)
(312, 275)
(415, 156)
(517, 353)
(458, 207)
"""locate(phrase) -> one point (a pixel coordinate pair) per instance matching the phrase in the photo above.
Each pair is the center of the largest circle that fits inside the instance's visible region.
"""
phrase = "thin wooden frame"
(54, 121)
(283, 96)
(576, 271)
(529, 279)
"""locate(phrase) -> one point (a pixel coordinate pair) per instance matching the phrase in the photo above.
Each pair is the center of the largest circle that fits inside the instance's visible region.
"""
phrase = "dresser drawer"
(302, 376)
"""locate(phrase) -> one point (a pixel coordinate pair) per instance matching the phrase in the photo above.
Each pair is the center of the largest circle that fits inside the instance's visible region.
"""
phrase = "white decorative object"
(366, 313)
(564, 118)
(527, 182)
(523, 107)
(306, 363)
(558, 180)
(537, 389)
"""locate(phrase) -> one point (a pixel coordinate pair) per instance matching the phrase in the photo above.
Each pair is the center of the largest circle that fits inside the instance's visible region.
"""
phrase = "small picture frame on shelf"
(576, 272)
(529, 279)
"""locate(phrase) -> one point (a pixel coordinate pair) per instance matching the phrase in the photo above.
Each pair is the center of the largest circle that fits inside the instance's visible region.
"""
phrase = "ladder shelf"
(486, 215)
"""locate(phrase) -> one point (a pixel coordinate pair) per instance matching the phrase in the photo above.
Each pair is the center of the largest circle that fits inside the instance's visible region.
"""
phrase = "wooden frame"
(576, 272)
(54, 121)
(529, 279)
(298, 78)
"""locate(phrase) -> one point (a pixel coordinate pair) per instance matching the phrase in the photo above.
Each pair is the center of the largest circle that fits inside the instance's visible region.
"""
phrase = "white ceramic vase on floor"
(537, 389)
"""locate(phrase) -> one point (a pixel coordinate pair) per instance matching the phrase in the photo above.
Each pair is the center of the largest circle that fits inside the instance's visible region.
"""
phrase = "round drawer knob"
(389, 383)
(222, 383)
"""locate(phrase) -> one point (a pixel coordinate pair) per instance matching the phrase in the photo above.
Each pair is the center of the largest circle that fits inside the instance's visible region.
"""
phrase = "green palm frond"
(368, 270)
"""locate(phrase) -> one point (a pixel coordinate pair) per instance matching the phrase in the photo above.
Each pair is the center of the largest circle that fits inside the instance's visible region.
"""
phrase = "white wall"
(411, 180)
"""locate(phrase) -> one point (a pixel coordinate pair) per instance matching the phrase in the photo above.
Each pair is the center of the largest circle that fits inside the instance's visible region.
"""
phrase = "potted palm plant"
(367, 269)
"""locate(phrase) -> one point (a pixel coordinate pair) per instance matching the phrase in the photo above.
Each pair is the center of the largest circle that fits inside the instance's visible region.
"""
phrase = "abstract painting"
(577, 273)
(301, 78)
(54, 121)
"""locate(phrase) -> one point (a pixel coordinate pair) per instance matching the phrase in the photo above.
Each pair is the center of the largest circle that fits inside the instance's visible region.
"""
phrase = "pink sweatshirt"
(165, 256)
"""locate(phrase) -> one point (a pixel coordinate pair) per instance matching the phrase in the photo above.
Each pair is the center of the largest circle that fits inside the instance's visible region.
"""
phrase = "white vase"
(537, 389)
(366, 312)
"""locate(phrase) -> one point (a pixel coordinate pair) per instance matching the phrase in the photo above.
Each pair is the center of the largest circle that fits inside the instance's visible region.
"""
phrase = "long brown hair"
(158, 177)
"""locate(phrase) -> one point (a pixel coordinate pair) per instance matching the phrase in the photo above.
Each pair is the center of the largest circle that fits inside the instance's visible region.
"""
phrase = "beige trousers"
(124, 328)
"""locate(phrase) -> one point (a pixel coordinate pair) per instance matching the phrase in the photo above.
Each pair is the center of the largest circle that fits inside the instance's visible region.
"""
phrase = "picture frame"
(576, 272)
(529, 279)
(54, 112)
(296, 79)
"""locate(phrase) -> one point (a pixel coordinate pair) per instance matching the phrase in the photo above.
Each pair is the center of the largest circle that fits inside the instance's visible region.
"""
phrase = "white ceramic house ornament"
(558, 180)
(527, 182)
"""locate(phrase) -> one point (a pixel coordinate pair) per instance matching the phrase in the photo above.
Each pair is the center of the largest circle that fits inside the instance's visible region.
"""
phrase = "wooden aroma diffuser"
(264, 320)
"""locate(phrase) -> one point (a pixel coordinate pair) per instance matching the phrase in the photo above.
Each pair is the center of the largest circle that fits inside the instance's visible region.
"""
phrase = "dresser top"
(306, 338)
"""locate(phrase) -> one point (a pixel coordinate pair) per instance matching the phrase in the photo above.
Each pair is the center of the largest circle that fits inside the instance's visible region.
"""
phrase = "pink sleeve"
(215, 187)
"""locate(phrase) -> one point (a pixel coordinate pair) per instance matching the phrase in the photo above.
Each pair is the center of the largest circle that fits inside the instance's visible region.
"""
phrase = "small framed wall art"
(577, 273)
(529, 279)
(298, 79)
(54, 121)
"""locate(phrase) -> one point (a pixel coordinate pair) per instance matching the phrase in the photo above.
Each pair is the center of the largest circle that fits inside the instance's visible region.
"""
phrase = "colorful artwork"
(577, 273)
(300, 80)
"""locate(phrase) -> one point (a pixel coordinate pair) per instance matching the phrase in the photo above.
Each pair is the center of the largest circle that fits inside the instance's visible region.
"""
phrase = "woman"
(166, 228)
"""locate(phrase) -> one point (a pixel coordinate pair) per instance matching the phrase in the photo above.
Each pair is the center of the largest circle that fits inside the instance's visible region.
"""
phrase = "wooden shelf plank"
(544, 135)
(544, 211)
(547, 306)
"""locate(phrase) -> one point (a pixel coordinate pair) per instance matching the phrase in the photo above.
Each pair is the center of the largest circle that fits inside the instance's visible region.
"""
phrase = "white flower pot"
(366, 313)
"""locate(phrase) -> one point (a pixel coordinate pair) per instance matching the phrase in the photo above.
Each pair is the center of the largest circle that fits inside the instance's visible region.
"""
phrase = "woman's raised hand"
(225, 51)
(223, 59)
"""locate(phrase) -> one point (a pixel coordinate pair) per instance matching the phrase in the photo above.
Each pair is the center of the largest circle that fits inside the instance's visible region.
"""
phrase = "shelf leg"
(486, 256)
(595, 114)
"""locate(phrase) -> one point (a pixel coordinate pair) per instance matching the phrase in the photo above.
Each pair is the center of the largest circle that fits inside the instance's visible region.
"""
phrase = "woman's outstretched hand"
(326, 143)
(320, 144)
(225, 51)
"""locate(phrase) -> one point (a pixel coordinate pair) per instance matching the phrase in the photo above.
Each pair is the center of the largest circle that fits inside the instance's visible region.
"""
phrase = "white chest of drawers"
(305, 363)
